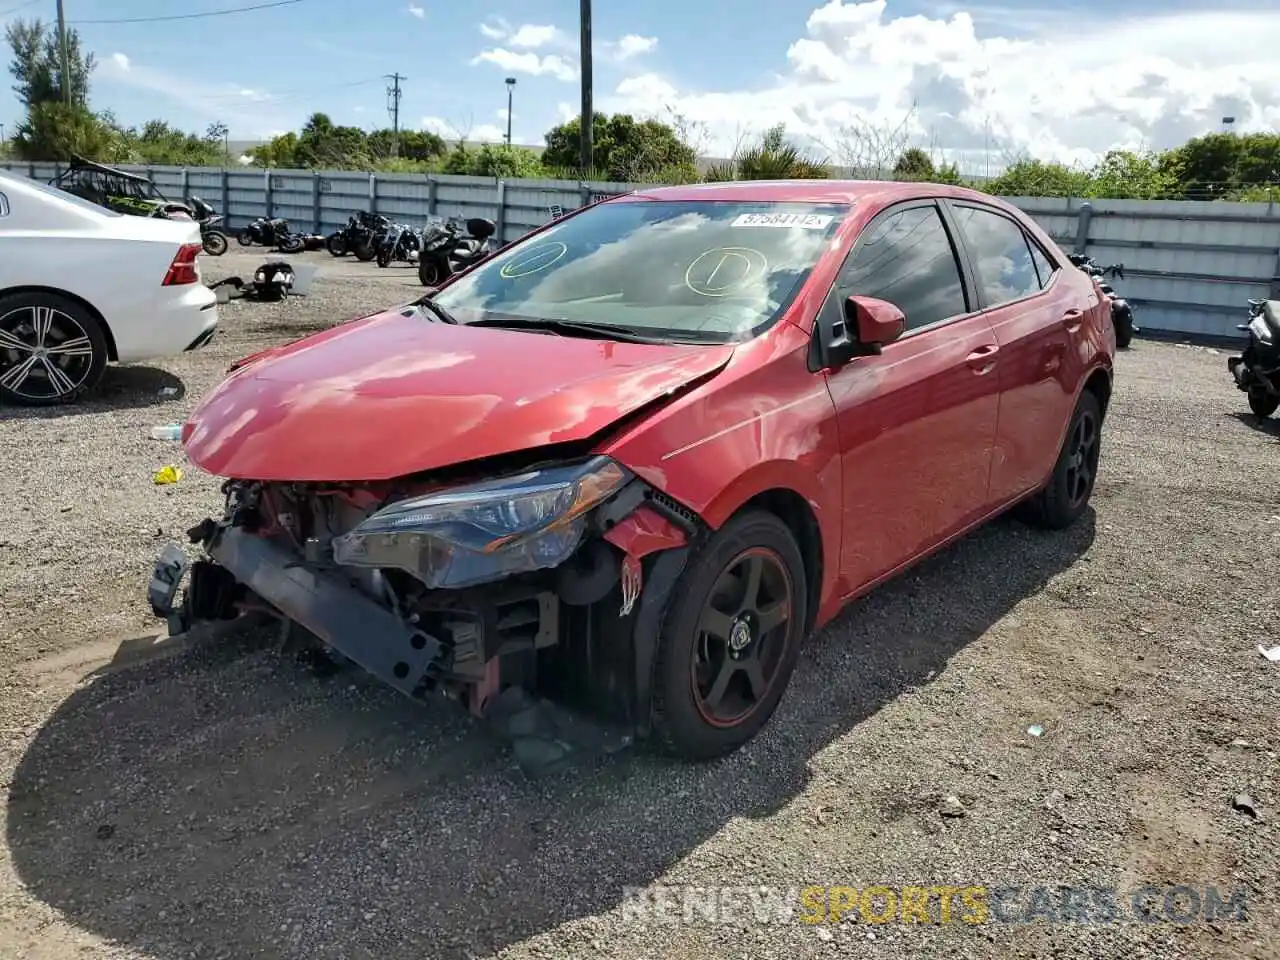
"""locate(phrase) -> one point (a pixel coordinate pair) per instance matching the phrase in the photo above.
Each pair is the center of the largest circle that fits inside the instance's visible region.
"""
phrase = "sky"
(968, 79)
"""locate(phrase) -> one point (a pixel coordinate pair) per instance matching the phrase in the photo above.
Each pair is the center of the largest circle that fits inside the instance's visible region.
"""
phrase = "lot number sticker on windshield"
(804, 221)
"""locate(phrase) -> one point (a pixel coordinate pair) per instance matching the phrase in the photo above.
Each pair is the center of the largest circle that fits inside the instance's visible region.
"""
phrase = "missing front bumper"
(343, 617)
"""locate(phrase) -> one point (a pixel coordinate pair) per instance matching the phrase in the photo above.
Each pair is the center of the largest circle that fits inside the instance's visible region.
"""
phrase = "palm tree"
(774, 157)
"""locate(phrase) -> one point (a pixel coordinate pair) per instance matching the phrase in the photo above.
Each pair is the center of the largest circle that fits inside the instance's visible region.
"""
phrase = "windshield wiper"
(441, 314)
(608, 331)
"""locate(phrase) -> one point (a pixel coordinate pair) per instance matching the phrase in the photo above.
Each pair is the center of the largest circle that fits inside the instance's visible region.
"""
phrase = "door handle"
(1072, 319)
(983, 359)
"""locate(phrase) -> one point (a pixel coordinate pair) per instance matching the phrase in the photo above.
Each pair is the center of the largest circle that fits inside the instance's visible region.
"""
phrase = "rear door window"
(1001, 255)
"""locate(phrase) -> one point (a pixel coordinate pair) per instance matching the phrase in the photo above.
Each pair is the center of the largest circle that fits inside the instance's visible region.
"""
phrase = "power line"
(27, 3)
(196, 16)
(281, 95)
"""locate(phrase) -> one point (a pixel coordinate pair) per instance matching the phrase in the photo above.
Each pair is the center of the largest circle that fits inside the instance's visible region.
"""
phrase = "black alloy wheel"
(731, 638)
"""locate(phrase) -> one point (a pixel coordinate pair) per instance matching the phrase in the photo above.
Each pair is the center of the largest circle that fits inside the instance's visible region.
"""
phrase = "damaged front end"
(534, 599)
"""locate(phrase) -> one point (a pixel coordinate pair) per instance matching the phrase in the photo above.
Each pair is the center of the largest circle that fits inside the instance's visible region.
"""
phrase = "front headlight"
(1258, 327)
(485, 531)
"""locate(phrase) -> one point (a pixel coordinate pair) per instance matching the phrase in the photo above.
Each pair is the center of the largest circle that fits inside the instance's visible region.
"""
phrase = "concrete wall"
(1189, 265)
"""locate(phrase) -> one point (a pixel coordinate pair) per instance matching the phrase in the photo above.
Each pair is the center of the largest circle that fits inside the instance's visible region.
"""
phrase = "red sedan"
(629, 463)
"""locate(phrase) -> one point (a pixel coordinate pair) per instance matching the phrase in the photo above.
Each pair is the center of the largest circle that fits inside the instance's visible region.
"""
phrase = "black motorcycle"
(449, 247)
(360, 236)
(268, 233)
(399, 242)
(1257, 369)
(1121, 309)
(213, 238)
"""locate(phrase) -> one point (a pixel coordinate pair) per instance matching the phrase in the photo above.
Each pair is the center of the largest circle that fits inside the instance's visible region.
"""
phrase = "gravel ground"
(212, 799)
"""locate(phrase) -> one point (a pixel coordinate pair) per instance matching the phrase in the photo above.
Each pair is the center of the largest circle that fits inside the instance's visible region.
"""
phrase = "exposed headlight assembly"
(485, 531)
(1258, 327)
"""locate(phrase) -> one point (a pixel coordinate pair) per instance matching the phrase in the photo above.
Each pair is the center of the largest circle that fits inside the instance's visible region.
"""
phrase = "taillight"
(184, 269)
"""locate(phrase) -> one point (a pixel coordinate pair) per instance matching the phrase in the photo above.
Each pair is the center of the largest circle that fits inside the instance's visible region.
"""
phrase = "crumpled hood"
(398, 393)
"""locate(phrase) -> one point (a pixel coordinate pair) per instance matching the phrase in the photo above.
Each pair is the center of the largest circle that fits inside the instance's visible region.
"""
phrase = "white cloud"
(552, 65)
(530, 36)
(1043, 82)
(501, 114)
(495, 28)
(632, 45)
(416, 11)
(483, 133)
(120, 61)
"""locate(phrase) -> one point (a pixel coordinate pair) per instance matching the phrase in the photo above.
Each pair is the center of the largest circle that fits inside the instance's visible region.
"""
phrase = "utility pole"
(584, 63)
(62, 43)
(511, 85)
(393, 108)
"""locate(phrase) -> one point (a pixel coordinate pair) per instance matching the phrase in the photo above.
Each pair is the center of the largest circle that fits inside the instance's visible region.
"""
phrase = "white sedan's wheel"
(52, 350)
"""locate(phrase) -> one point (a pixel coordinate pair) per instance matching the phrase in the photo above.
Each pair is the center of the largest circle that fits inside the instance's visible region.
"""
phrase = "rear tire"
(245, 238)
(430, 273)
(728, 648)
(215, 243)
(292, 244)
(384, 257)
(1066, 496)
(1262, 404)
(364, 251)
(73, 337)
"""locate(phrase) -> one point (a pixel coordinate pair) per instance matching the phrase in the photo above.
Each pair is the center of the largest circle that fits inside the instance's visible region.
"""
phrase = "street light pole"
(511, 85)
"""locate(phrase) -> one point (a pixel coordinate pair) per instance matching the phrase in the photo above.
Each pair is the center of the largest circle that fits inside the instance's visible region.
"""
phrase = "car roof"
(810, 191)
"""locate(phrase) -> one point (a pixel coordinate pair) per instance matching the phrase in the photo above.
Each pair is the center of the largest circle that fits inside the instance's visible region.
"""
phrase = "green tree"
(37, 64)
(1125, 175)
(623, 149)
(55, 131)
(1213, 166)
(160, 144)
(419, 146)
(772, 157)
(1036, 178)
(913, 164)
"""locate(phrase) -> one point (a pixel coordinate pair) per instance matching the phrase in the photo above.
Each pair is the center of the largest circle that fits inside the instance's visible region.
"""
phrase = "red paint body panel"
(395, 395)
(895, 455)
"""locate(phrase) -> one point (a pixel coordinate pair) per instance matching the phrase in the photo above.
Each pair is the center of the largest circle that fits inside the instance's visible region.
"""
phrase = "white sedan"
(81, 285)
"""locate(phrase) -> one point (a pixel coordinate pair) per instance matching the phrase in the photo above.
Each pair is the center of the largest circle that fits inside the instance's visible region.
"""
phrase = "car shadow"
(1267, 425)
(225, 802)
(126, 387)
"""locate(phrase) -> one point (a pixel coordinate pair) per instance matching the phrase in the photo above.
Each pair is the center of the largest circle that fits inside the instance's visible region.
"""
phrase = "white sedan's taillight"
(184, 269)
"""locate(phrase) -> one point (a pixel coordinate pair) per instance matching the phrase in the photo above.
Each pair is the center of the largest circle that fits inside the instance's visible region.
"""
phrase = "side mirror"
(875, 322)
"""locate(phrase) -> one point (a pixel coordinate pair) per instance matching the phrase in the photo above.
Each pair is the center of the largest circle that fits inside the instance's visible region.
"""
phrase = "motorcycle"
(267, 232)
(1257, 369)
(359, 236)
(1121, 310)
(449, 247)
(214, 239)
(398, 242)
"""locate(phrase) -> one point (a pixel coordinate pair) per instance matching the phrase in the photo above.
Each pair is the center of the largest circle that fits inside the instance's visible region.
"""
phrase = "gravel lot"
(212, 799)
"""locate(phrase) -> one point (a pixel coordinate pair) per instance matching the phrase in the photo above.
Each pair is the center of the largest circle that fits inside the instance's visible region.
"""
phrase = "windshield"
(705, 271)
(70, 198)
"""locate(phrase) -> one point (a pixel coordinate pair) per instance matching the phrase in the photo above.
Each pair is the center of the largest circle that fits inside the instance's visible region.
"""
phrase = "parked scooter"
(449, 247)
(213, 238)
(399, 242)
(1121, 310)
(1257, 369)
(360, 236)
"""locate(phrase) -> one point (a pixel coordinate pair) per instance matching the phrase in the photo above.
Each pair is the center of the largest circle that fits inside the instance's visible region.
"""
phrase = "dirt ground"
(213, 799)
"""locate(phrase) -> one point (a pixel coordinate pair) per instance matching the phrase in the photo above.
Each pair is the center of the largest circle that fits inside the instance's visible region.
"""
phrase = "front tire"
(1066, 496)
(336, 244)
(245, 238)
(731, 638)
(365, 251)
(1263, 404)
(52, 350)
(384, 257)
(292, 244)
